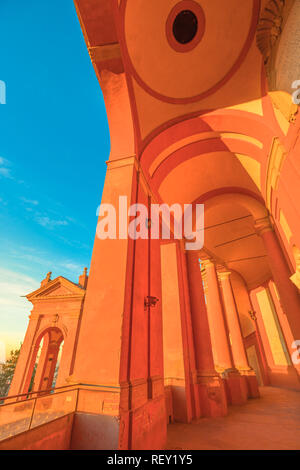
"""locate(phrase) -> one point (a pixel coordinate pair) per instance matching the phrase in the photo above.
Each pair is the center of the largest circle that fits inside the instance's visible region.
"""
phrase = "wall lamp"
(150, 301)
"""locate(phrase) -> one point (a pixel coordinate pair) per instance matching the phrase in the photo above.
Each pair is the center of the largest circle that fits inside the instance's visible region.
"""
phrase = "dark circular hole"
(185, 26)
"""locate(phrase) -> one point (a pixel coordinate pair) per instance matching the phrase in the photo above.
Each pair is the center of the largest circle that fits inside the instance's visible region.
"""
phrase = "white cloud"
(4, 168)
(33, 256)
(14, 308)
(22, 279)
(50, 223)
(33, 202)
(72, 267)
(29, 255)
(5, 172)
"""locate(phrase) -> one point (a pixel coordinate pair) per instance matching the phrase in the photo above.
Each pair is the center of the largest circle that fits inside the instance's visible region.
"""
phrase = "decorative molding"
(285, 226)
(283, 102)
(276, 159)
(223, 275)
(64, 297)
(271, 25)
(207, 263)
(174, 381)
(73, 314)
(123, 161)
(133, 161)
(263, 225)
(295, 278)
(105, 52)
(204, 137)
(42, 294)
(270, 28)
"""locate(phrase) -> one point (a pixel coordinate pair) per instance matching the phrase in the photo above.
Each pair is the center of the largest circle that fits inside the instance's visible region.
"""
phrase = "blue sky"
(54, 142)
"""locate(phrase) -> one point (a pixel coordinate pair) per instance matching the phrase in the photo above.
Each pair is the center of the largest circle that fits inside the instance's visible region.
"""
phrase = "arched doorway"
(45, 361)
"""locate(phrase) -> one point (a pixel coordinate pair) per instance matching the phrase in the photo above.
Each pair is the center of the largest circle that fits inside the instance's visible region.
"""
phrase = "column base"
(143, 423)
(95, 432)
(236, 388)
(176, 401)
(148, 427)
(251, 382)
(285, 377)
(212, 394)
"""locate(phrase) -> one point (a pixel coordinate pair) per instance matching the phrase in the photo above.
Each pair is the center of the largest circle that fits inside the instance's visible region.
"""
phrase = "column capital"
(263, 225)
(207, 263)
(123, 161)
(224, 275)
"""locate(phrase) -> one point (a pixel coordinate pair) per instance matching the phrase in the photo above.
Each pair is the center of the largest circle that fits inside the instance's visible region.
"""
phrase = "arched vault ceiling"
(210, 63)
(222, 70)
(231, 238)
(199, 175)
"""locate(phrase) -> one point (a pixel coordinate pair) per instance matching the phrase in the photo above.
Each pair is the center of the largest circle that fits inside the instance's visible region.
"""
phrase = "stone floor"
(269, 423)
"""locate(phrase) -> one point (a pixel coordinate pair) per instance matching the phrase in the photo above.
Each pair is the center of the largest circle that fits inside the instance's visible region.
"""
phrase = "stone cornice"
(275, 162)
(133, 161)
(223, 275)
(47, 291)
(123, 161)
(104, 53)
(58, 297)
(263, 225)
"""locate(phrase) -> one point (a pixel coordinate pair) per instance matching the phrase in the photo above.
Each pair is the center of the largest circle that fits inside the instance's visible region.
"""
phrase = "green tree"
(7, 371)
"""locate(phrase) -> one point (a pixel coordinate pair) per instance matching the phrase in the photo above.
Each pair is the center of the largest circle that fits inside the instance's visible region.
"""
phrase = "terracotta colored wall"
(243, 304)
(253, 362)
(172, 335)
(172, 338)
(149, 429)
(101, 326)
(281, 372)
(94, 432)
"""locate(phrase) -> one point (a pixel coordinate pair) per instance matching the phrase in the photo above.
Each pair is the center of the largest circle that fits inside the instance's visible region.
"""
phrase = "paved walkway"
(268, 423)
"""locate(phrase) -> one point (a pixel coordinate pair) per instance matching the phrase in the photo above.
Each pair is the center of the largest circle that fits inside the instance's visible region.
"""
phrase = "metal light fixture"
(150, 301)
(252, 314)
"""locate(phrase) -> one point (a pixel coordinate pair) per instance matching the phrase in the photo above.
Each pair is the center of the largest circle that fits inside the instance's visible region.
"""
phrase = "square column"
(211, 388)
(223, 359)
(288, 292)
(120, 341)
(236, 339)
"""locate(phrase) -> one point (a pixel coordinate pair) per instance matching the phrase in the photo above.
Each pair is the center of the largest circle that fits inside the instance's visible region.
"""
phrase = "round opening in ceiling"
(185, 26)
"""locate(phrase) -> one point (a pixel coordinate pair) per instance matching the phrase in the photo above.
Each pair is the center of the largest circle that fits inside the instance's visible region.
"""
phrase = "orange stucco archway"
(43, 376)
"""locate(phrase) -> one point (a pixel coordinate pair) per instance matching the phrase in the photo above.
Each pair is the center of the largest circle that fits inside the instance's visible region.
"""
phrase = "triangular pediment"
(58, 288)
